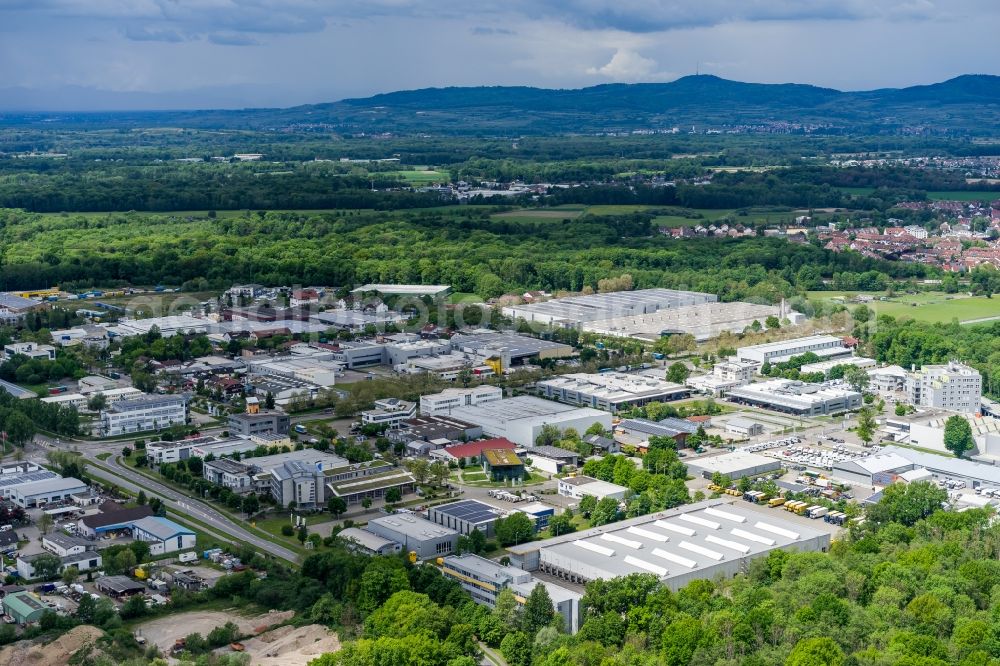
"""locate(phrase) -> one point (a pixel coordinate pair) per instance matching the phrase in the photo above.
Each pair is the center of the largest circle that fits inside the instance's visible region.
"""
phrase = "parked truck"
(818, 512)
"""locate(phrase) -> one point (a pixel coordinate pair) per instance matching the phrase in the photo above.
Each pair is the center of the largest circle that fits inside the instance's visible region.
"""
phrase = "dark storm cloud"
(255, 48)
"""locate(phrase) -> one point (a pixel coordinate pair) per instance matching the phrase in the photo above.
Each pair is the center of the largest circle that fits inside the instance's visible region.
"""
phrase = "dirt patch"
(56, 653)
(163, 631)
(291, 646)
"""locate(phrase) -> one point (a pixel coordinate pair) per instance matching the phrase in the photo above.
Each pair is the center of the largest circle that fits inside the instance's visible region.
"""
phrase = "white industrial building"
(47, 491)
(888, 381)
(163, 535)
(826, 366)
(389, 412)
(312, 369)
(795, 397)
(415, 534)
(954, 387)
(75, 400)
(32, 350)
(143, 413)
(578, 487)
(926, 431)
(441, 404)
(168, 326)
(827, 347)
(521, 419)
(893, 463)
(610, 391)
(725, 376)
(575, 310)
(171, 452)
(706, 540)
(735, 465)
(703, 320)
(432, 290)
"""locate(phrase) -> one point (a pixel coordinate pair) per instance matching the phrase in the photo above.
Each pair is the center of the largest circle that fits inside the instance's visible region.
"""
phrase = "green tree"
(820, 651)
(393, 495)
(538, 610)
(516, 648)
(336, 506)
(44, 523)
(514, 529)
(866, 425)
(958, 435)
(549, 435)
(606, 511)
(69, 575)
(587, 505)
(907, 503)
(857, 378)
(46, 566)
(678, 372)
(561, 523)
(900, 409)
(382, 578)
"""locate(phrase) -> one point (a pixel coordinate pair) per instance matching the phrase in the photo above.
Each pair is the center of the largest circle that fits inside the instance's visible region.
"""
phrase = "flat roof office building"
(143, 413)
(795, 397)
(610, 391)
(521, 419)
(825, 346)
(415, 534)
(485, 579)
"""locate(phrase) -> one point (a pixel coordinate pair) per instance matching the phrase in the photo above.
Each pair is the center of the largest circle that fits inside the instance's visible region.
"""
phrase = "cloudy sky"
(86, 54)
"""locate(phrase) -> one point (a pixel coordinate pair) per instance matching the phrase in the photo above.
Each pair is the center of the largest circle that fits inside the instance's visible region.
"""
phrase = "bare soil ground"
(56, 653)
(163, 631)
(291, 646)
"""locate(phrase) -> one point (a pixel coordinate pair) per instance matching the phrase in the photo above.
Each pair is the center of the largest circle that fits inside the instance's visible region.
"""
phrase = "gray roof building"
(697, 541)
(416, 534)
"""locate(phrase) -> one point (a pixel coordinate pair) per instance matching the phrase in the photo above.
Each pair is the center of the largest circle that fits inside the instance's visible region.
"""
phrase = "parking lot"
(797, 454)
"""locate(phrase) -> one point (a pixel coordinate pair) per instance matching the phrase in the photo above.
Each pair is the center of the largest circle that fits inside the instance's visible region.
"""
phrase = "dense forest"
(467, 248)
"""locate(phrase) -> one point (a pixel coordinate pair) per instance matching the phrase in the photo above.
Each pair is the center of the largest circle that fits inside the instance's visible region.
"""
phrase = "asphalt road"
(112, 471)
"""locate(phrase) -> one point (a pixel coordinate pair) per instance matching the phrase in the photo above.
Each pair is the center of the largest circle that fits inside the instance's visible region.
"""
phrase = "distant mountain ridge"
(965, 104)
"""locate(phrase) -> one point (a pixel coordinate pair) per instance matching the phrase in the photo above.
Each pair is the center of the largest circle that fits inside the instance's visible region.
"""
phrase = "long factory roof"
(668, 543)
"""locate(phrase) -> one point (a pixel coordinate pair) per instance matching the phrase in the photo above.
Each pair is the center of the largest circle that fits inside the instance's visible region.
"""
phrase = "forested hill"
(966, 105)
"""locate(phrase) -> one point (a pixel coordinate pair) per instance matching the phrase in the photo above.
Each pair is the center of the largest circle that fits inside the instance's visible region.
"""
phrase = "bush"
(287, 530)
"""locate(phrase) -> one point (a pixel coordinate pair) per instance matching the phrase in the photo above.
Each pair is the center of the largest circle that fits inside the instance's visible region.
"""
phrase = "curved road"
(112, 470)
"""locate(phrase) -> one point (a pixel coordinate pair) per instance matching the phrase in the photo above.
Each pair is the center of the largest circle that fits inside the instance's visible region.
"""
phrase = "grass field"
(962, 195)
(464, 297)
(931, 306)
(422, 176)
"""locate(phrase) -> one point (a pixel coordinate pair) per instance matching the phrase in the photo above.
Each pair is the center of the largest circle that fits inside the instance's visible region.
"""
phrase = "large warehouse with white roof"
(521, 419)
(575, 310)
(694, 542)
